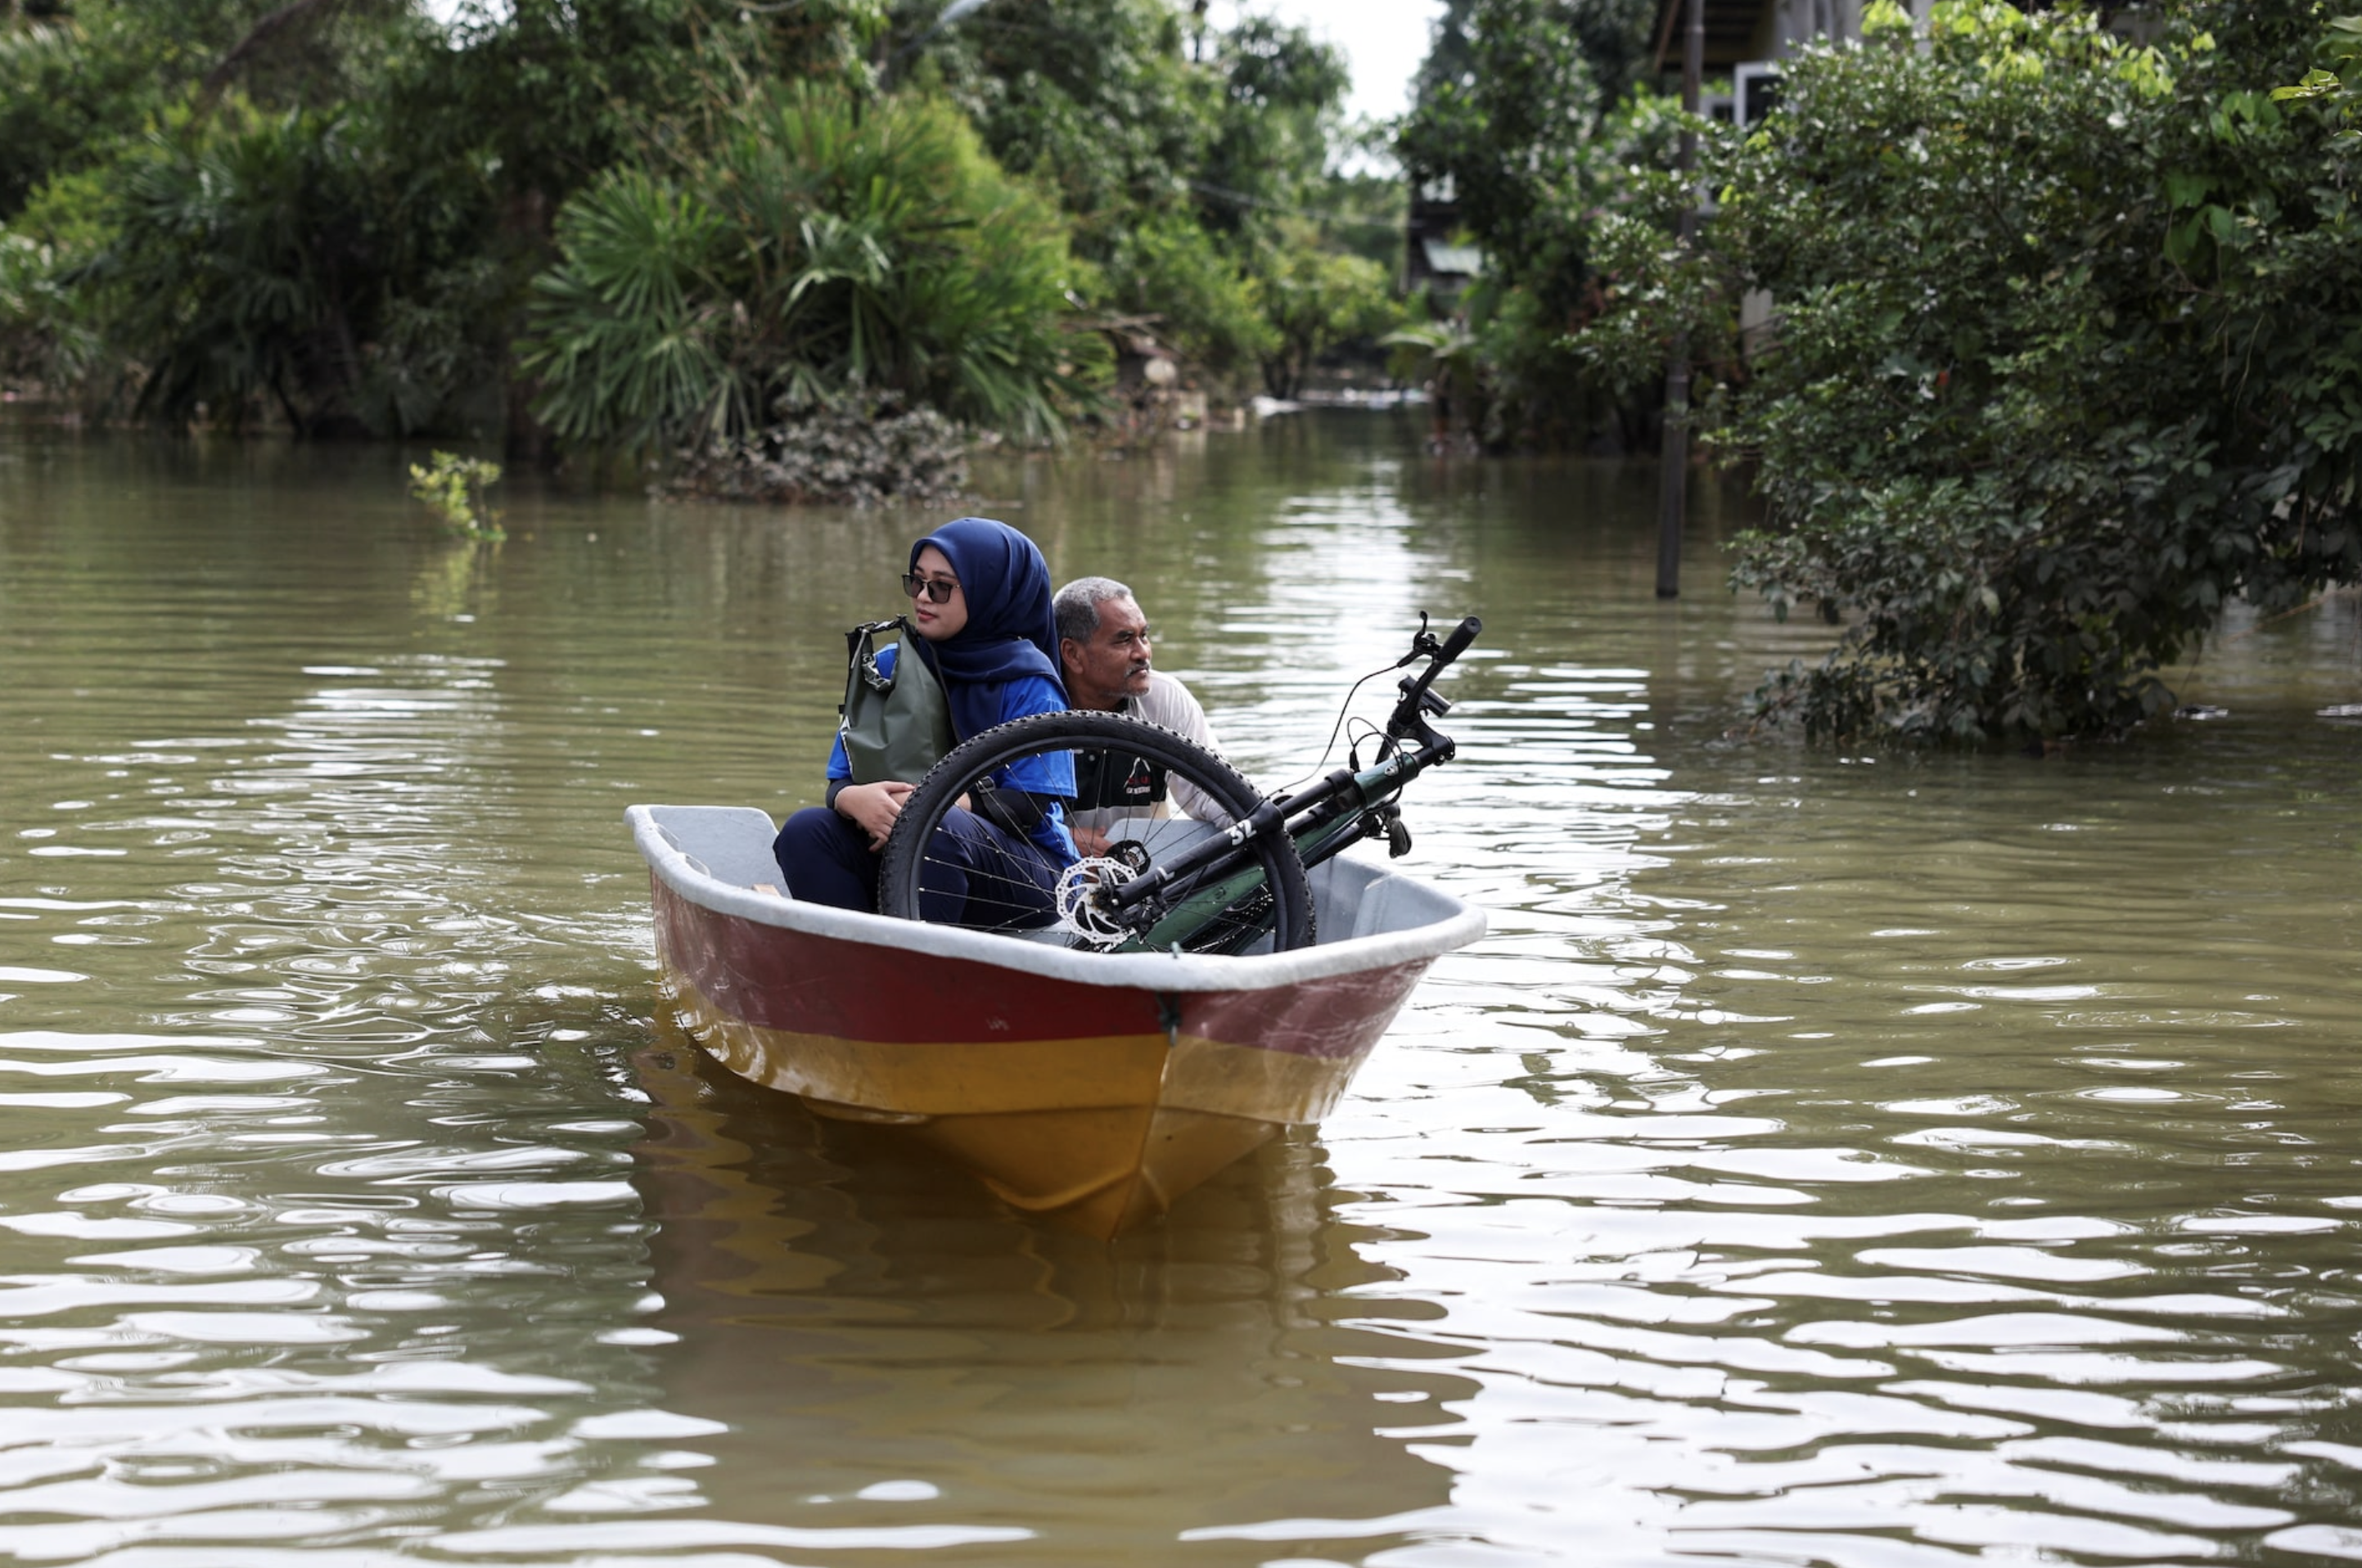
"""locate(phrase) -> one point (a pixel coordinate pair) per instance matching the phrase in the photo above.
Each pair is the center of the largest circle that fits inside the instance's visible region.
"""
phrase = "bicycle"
(1167, 882)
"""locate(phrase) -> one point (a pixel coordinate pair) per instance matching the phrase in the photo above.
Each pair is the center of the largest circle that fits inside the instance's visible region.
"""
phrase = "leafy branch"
(454, 487)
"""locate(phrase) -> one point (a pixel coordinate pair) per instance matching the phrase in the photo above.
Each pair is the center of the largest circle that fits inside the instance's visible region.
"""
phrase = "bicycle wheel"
(947, 862)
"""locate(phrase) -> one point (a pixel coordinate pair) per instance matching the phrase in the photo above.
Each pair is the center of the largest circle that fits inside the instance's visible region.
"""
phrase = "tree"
(79, 82)
(1526, 114)
(1611, 35)
(247, 258)
(1168, 267)
(1094, 99)
(1316, 300)
(333, 212)
(2068, 328)
(1188, 165)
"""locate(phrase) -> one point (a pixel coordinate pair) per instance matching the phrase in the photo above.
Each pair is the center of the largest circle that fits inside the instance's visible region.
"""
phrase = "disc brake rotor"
(1075, 896)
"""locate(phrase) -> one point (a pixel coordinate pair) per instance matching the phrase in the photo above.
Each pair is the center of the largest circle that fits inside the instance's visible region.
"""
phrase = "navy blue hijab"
(1011, 630)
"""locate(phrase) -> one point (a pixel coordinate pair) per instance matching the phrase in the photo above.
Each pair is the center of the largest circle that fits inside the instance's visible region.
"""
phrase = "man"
(1103, 646)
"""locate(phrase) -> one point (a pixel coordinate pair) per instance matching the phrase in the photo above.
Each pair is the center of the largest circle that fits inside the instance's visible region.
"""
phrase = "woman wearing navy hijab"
(980, 597)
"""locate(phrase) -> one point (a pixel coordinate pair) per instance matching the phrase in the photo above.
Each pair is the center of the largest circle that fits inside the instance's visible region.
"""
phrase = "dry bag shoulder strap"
(861, 654)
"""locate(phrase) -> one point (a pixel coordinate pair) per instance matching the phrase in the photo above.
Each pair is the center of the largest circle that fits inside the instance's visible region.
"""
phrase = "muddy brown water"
(1826, 1158)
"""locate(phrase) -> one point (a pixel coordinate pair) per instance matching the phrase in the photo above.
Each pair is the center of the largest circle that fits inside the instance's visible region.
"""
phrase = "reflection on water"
(921, 1346)
(1826, 1159)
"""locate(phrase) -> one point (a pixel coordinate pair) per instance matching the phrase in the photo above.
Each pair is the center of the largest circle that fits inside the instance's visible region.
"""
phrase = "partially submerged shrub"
(454, 486)
(822, 246)
(240, 265)
(2062, 361)
(44, 344)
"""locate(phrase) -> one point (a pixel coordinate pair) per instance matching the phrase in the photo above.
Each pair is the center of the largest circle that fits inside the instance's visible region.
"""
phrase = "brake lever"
(1424, 644)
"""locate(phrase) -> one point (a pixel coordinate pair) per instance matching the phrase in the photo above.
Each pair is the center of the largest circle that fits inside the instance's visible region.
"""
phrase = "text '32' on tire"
(938, 864)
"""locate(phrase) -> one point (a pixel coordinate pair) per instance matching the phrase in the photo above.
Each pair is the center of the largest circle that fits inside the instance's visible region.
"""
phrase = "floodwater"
(1826, 1158)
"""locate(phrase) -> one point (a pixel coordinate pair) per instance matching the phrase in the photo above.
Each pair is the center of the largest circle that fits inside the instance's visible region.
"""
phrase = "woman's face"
(935, 622)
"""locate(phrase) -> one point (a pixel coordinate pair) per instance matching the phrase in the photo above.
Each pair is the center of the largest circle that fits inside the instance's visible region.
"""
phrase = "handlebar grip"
(1457, 643)
(1414, 693)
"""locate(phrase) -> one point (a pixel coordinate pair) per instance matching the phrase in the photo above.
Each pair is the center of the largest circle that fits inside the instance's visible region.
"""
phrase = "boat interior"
(732, 844)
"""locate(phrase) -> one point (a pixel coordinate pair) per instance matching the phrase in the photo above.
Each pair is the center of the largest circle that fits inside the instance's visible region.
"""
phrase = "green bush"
(1317, 301)
(817, 248)
(44, 343)
(234, 268)
(1207, 307)
(236, 263)
(2068, 328)
(454, 487)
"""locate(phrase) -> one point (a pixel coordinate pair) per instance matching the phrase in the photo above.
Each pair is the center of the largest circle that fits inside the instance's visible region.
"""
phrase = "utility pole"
(1674, 472)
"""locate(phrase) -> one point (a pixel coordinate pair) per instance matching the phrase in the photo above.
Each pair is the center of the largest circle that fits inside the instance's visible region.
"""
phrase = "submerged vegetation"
(2058, 317)
(816, 249)
(2067, 330)
(2052, 318)
(454, 487)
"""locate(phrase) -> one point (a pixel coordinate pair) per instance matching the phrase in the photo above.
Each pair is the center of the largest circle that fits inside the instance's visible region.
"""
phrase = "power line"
(1244, 199)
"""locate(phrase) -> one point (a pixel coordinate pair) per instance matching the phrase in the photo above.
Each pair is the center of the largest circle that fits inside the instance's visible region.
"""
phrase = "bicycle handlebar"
(1415, 691)
(1275, 814)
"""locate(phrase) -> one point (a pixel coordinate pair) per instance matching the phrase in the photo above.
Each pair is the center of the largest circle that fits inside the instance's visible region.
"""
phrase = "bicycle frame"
(1346, 805)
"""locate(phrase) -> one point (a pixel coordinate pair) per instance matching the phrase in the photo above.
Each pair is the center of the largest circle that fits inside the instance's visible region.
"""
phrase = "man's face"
(1114, 664)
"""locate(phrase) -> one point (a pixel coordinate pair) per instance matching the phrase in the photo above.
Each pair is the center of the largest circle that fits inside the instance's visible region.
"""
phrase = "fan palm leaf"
(813, 252)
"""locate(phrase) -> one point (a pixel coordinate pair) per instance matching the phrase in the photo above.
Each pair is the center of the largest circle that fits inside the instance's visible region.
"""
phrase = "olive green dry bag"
(897, 722)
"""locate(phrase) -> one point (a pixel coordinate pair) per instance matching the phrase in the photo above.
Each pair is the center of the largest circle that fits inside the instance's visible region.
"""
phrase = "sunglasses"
(938, 589)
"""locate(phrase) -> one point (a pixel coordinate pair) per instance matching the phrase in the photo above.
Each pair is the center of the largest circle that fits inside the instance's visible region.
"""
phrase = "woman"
(980, 597)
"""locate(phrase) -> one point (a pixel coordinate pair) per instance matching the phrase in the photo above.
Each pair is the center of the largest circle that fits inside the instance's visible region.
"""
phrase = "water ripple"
(1828, 1158)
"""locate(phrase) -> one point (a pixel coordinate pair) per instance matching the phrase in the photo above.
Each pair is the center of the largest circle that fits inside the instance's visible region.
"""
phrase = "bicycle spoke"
(945, 864)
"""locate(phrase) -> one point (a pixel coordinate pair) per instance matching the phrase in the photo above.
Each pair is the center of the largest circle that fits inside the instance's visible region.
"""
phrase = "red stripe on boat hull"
(1093, 1105)
(809, 983)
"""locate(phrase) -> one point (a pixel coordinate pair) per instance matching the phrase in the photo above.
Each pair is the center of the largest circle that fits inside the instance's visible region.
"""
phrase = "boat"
(1090, 1088)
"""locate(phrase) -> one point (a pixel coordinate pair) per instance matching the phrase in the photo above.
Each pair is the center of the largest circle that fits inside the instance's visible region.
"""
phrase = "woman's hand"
(872, 808)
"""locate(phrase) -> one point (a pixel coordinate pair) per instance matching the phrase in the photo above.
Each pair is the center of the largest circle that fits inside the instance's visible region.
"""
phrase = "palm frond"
(814, 250)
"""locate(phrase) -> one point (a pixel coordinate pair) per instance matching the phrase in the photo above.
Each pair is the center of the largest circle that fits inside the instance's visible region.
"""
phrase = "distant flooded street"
(1826, 1158)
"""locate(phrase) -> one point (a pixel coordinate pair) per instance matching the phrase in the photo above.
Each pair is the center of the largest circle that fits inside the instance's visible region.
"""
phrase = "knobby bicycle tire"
(916, 880)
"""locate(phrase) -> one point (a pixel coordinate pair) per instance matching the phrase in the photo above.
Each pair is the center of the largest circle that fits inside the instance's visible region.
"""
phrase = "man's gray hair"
(1078, 605)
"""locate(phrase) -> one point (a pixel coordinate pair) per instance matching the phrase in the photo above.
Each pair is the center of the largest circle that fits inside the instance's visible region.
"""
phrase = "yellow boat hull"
(1090, 1088)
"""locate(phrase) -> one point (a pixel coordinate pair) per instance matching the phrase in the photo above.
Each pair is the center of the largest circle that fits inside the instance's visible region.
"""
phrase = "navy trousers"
(976, 873)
